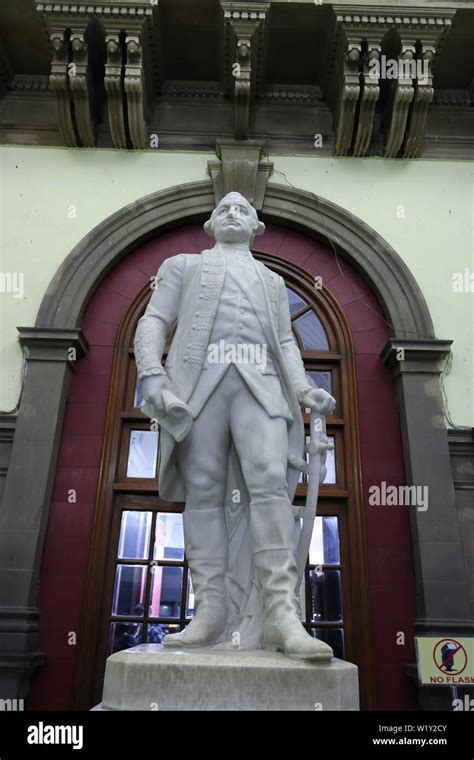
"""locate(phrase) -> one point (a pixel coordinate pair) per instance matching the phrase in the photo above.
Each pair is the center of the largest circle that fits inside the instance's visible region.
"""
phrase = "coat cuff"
(151, 371)
(302, 390)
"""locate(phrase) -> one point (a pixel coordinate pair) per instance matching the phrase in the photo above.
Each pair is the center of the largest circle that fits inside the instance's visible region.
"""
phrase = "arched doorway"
(345, 307)
(71, 302)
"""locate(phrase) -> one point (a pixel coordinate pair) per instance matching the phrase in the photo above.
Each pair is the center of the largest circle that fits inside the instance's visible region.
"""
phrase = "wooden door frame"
(361, 634)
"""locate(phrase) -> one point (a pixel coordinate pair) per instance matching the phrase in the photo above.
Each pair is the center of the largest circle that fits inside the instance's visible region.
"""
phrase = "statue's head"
(234, 220)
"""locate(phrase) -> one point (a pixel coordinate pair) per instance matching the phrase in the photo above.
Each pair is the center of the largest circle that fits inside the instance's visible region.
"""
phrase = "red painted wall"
(65, 559)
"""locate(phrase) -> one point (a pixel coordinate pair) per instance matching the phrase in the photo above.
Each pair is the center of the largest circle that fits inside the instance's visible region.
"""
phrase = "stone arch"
(100, 250)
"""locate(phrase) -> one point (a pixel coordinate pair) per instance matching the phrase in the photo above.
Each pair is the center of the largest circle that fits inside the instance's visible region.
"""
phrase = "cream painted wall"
(424, 209)
(49, 199)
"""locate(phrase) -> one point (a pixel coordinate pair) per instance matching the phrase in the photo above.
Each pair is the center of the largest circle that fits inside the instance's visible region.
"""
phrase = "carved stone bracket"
(113, 87)
(353, 83)
(59, 83)
(136, 89)
(244, 30)
(402, 95)
(405, 120)
(126, 33)
(370, 92)
(129, 76)
(355, 75)
(81, 86)
(70, 72)
(348, 96)
(428, 46)
(241, 169)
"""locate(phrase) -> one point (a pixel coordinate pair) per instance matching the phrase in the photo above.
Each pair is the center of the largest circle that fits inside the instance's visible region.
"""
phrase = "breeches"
(232, 414)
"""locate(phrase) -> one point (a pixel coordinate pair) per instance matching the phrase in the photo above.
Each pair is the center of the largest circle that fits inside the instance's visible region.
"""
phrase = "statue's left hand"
(318, 400)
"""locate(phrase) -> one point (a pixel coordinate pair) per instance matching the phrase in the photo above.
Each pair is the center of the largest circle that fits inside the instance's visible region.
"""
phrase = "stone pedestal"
(150, 677)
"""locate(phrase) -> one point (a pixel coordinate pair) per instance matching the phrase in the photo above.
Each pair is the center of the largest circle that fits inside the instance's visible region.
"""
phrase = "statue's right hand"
(152, 388)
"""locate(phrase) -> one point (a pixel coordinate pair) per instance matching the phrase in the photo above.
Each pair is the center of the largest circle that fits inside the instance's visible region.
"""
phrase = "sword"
(316, 471)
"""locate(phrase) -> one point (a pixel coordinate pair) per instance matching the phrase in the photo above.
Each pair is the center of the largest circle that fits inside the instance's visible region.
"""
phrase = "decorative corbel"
(81, 87)
(135, 88)
(59, 83)
(70, 76)
(242, 86)
(369, 94)
(422, 38)
(399, 103)
(127, 26)
(430, 39)
(113, 88)
(240, 169)
(129, 74)
(424, 92)
(244, 23)
(348, 95)
(353, 82)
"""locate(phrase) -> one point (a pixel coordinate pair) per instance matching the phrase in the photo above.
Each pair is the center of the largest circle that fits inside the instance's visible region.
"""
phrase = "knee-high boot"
(273, 536)
(206, 543)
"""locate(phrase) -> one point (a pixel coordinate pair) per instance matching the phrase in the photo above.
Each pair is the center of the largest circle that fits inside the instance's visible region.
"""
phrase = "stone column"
(441, 584)
(51, 356)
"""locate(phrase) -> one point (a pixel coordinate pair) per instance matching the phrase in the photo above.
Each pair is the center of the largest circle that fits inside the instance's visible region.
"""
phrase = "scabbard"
(315, 450)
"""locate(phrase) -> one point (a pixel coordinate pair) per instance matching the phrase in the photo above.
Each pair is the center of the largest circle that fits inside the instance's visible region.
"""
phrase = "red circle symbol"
(451, 654)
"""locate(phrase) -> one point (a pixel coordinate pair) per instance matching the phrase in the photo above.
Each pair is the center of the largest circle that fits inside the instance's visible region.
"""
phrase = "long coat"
(187, 290)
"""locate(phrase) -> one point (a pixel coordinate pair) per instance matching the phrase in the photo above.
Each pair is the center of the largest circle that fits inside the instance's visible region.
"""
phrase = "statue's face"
(233, 220)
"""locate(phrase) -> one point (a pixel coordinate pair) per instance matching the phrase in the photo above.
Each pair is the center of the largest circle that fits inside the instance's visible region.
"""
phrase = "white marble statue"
(229, 402)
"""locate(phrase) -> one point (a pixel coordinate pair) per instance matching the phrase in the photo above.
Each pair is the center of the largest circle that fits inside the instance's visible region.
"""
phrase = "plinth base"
(151, 677)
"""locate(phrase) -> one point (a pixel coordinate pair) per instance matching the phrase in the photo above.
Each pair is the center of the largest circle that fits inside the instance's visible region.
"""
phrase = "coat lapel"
(208, 280)
(213, 269)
